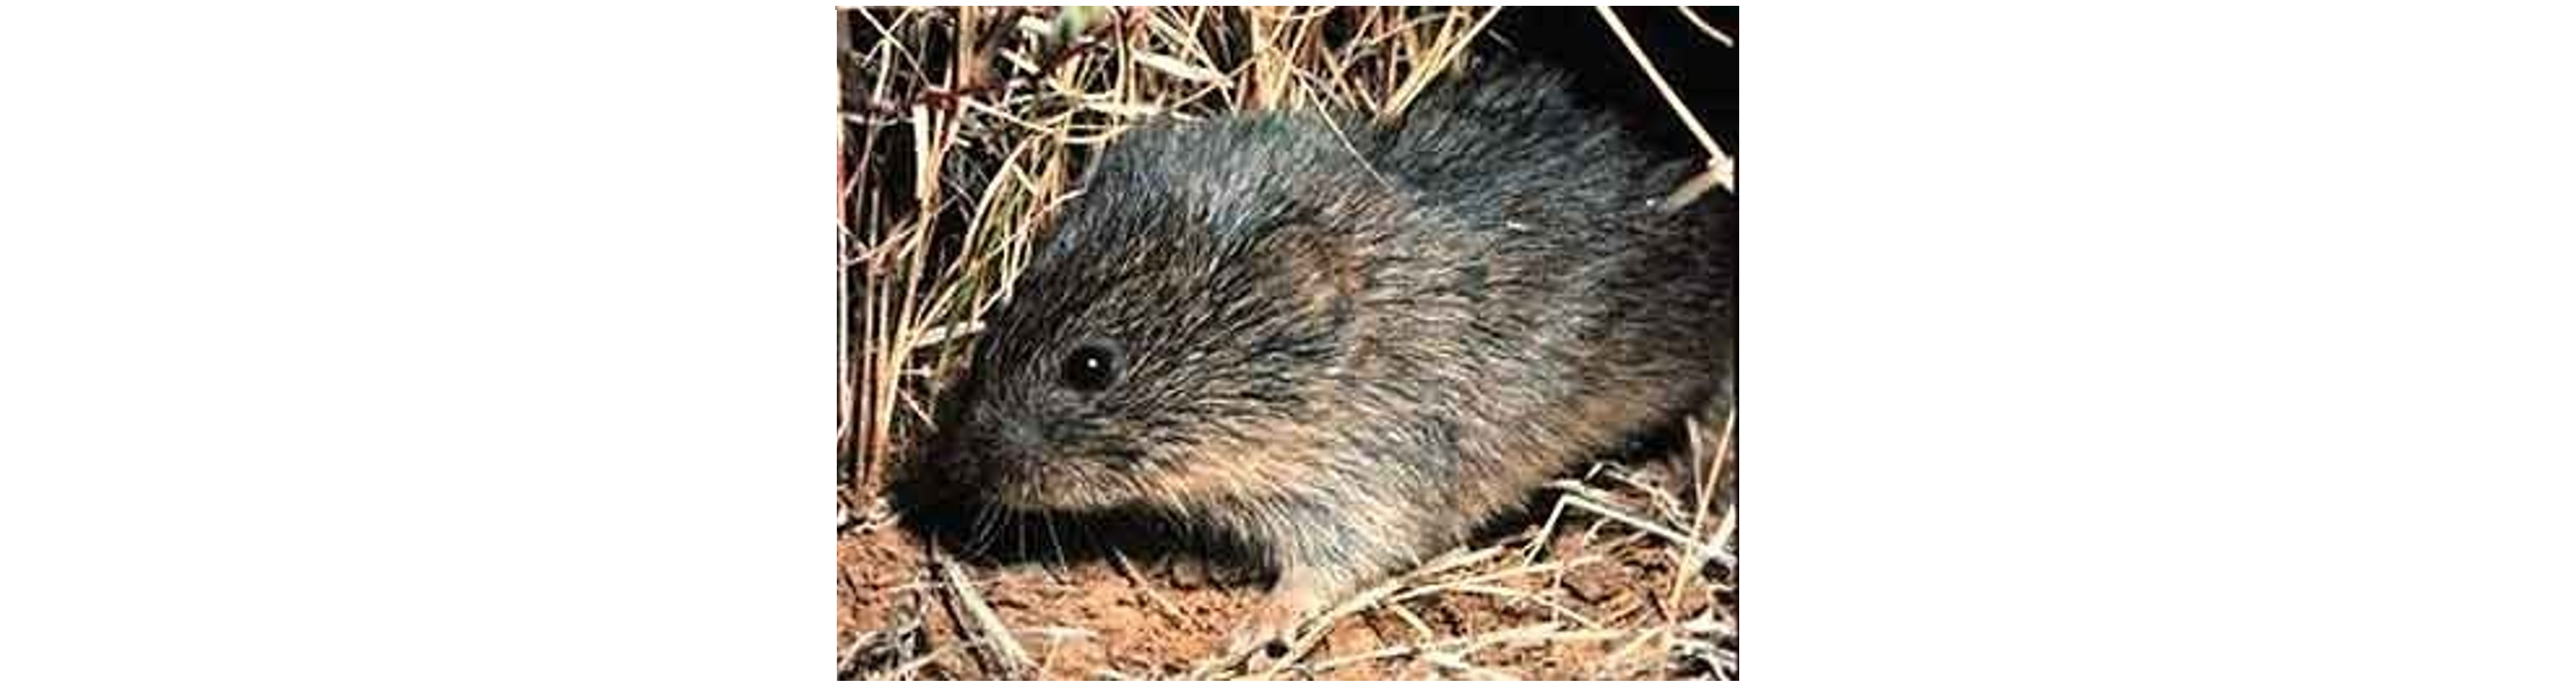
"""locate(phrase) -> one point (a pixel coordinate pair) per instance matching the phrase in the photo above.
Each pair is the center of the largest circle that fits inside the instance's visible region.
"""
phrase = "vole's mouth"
(986, 465)
(1060, 490)
(1022, 495)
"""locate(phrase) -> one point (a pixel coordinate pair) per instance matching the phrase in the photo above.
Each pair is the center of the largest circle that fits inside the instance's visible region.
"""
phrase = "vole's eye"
(1090, 368)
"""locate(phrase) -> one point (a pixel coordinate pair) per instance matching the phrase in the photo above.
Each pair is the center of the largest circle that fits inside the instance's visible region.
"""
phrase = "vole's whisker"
(1053, 543)
(987, 521)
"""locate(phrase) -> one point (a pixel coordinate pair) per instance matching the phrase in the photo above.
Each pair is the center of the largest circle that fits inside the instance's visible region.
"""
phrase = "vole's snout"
(1015, 441)
(987, 454)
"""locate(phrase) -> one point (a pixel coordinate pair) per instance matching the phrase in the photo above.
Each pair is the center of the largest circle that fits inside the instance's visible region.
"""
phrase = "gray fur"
(1349, 344)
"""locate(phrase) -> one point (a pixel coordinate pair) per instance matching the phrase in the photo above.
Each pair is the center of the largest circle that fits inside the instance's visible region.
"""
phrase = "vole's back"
(1552, 205)
(1535, 308)
(1557, 193)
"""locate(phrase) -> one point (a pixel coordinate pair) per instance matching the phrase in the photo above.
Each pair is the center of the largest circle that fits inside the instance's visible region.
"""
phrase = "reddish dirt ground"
(1601, 601)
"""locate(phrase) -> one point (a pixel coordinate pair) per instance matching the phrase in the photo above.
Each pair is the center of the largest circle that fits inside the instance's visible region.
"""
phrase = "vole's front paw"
(1263, 641)
(1267, 640)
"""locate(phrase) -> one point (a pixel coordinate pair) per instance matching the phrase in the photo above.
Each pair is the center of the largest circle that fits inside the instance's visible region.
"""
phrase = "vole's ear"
(1324, 266)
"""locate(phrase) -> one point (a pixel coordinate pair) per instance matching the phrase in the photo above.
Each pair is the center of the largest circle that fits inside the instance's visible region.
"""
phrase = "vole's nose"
(982, 447)
(1019, 438)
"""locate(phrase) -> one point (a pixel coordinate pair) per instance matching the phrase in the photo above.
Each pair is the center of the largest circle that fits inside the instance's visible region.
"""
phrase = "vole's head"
(1186, 313)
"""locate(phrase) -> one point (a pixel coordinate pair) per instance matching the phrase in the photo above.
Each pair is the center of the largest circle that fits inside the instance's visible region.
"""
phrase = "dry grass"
(963, 130)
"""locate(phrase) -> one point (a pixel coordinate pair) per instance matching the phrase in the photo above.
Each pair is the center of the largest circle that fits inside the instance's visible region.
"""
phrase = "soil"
(1600, 601)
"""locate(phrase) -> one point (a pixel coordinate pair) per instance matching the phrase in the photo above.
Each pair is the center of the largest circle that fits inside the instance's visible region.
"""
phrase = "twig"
(1128, 569)
(1705, 27)
(1720, 172)
(1412, 620)
(1670, 98)
(1483, 578)
(1721, 169)
(1585, 497)
(1458, 664)
(1523, 596)
(917, 663)
(1663, 498)
(1013, 658)
(1707, 492)
(849, 655)
(1424, 74)
(1614, 659)
(1546, 532)
(1461, 645)
(947, 98)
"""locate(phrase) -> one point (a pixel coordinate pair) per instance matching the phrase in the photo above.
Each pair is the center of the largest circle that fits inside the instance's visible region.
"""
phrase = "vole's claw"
(1264, 641)
(1190, 572)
